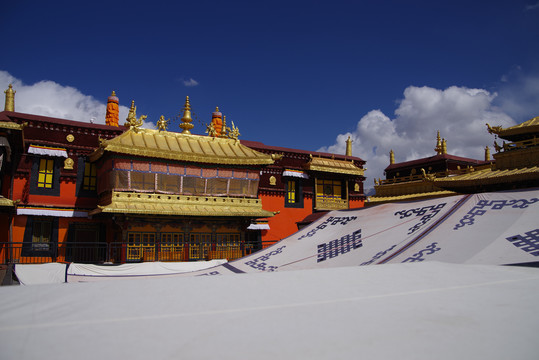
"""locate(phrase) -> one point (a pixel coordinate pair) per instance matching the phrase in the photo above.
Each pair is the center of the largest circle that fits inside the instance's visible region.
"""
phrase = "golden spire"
(349, 147)
(444, 146)
(487, 153)
(438, 147)
(391, 157)
(131, 121)
(186, 118)
(10, 99)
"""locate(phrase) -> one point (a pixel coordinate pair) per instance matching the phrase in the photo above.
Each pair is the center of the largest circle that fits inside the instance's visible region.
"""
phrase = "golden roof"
(183, 147)
(11, 125)
(530, 126)
(489, 177)
(333, 166)
(374, 200)
(178, 205)
(6, 202)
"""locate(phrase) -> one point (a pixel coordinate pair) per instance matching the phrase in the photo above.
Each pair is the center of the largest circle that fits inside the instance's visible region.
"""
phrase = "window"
(40, 236)
(45, 173)
(329, 189)
(293, 196)
(89, 181)
(45, 177)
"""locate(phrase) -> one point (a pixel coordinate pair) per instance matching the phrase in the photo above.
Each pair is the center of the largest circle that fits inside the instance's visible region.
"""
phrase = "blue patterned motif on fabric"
(483, 205)
(528, 242)
(423, 212)
(428, 250)
(339, 246)
(331, 221)
(260, 262)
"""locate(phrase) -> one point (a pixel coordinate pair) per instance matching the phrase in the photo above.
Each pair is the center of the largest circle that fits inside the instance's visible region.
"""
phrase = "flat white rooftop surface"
(424, 310)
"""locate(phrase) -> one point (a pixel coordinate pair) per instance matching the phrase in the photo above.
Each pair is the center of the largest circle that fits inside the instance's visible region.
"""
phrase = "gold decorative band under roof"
(181, 205)
(183, 147)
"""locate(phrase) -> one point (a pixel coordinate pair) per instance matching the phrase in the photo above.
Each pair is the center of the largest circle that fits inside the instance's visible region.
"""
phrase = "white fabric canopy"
(34, 274)
(414, 311)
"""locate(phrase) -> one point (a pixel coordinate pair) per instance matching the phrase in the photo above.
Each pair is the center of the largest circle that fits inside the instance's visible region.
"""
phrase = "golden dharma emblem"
(272, 180)
(70, 138)
(68, 164)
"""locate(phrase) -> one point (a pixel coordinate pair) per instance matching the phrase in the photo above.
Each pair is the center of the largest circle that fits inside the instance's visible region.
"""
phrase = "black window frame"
(298, 193)
(55, 189)
(81, 191)
(28, 249)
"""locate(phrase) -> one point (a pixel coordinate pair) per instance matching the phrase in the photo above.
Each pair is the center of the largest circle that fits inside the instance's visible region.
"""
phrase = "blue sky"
(300, 74)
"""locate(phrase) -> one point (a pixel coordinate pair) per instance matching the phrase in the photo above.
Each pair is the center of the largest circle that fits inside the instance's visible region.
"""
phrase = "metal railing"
(117, 252)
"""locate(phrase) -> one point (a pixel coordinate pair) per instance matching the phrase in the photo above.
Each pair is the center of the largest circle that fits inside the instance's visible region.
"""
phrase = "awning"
(258, 226)
(295, 173)
(47, 150)
(51, 212)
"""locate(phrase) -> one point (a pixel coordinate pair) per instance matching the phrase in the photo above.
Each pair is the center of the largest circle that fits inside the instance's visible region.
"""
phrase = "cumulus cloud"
(191, 82)
(459, 114)
(49, 98)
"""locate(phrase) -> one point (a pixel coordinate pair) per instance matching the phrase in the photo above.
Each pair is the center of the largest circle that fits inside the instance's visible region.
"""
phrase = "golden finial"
(391, 157)
(438, 147)
(233, 133)
(10, 99)
(487, 153)
(349, 147)
(186, 118)
(224, 128)
(217, 109)
(444, 146)
(494, 129)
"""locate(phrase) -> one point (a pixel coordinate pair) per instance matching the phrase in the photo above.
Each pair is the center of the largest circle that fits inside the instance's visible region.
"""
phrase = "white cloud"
(48, 98)
(458, 113)
(532, 7)
(190, 82)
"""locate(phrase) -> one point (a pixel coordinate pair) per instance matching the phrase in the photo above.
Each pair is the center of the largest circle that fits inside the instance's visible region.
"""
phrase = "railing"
(328, 203)
(519, 144)
(117, 252)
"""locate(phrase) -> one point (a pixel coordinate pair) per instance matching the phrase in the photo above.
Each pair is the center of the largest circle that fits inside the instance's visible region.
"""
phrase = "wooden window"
(293, 196)
(41, 234)
(89, 181)
(329, 189)
(45, 173)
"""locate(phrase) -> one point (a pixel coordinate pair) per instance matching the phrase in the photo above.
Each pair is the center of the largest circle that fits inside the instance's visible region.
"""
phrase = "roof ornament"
(210, 129)
(438, 148)
(186, 118)
(131, 121)
(444, 146)
(162, 124)
(391, 157)
(487, 153)
(233, 133)
(10, 99)
(494, 129)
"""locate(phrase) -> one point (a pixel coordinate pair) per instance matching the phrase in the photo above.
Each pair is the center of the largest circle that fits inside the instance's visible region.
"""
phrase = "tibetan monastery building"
(515, 166)
(82, 192)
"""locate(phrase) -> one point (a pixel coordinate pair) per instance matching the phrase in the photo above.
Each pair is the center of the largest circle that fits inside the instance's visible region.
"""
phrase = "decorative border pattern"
(482, 205)
(332, 220)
